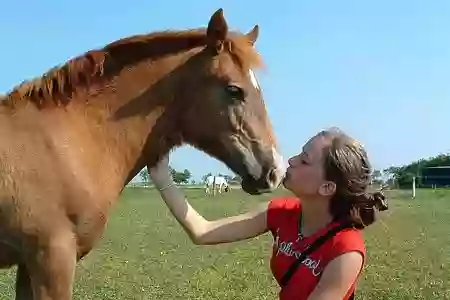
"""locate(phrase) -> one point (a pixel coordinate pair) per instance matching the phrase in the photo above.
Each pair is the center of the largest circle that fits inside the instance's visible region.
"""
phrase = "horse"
(71, 139)
(212, 182)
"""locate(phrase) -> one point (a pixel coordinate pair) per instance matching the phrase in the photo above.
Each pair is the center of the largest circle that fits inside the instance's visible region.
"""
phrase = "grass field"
(146, 255)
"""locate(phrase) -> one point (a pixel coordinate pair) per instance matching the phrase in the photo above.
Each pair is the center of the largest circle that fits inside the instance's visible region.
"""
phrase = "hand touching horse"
(71, 139)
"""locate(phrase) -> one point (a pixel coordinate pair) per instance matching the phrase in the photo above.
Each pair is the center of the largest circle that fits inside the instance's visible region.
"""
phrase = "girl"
(329, 181)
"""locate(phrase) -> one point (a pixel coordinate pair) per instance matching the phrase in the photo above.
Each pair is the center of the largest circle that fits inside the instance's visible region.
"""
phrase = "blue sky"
(379, 70)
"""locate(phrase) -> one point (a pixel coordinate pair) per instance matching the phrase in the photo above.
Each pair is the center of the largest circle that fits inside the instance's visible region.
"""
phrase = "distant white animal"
(215, 182)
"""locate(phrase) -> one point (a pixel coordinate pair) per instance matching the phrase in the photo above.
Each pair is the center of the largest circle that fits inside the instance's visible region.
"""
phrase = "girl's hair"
(347, 165)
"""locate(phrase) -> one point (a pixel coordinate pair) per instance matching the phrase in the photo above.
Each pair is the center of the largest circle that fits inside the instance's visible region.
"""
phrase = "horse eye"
(235, 92)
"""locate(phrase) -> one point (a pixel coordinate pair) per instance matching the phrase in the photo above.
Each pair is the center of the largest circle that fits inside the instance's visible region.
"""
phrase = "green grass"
(145, 254)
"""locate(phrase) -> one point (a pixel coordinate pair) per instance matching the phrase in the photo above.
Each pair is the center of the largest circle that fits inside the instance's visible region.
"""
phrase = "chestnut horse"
(72, 139)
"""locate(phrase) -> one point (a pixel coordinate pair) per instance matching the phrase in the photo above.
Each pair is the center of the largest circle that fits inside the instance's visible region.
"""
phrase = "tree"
(186, 175)
(173, 172)
(181, 177)
(144, 175)
(206, 176)
(178, 177)
(377, 177)
(403, 175)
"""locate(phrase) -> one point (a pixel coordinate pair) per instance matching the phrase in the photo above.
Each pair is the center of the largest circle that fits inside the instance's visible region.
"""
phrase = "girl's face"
(305, 176)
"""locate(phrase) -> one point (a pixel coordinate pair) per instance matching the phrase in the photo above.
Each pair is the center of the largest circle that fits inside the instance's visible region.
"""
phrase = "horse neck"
(135, 129)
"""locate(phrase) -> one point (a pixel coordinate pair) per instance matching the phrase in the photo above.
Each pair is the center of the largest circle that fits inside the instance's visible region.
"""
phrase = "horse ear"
(217, 31)
(252, 35)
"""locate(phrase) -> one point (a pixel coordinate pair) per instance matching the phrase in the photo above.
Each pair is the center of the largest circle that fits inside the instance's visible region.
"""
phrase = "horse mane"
(58, 85)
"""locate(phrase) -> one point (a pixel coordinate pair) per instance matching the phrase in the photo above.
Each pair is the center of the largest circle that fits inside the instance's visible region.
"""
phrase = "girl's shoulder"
(285, 203)
(282, 210)
(347, 240)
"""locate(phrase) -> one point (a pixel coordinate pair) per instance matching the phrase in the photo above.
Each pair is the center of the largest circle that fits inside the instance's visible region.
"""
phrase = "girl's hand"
(160, 173)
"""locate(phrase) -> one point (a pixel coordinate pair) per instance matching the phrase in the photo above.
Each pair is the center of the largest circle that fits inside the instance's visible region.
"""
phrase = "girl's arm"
(200, 230)
(338, 276)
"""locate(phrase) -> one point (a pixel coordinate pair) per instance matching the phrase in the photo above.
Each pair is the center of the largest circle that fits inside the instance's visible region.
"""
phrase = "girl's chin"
(286, 182)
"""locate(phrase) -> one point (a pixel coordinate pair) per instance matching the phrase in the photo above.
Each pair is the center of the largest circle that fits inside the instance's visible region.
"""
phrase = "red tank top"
(282, 220)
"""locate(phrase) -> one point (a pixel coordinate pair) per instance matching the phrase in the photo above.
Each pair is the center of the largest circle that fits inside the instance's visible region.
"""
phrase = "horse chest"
(88, 228)
(89, 217)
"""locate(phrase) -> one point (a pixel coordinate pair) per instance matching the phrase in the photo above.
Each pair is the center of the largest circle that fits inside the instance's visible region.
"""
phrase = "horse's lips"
(250, 190)
(264, 183)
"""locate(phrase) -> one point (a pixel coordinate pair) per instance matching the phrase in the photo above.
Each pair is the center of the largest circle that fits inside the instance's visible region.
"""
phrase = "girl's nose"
(290, 161)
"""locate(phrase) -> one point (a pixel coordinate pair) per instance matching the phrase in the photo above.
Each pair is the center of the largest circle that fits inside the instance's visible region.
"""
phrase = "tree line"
(178, 176)
(402, 176)
(183, 177)
(394, 176)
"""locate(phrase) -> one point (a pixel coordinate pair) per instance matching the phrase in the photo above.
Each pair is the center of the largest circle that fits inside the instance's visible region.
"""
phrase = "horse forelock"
(59, 84)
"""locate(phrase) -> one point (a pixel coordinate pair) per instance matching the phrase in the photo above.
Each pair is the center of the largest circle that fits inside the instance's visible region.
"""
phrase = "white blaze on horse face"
(281, 166)
(253, 79)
